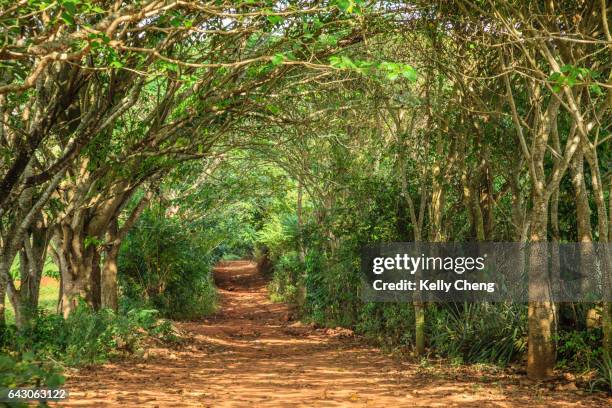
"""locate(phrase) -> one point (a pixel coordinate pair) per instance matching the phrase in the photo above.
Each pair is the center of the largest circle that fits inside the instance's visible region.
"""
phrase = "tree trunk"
(301, 284)
(520, 225)
(419, 307)
(419, 312)
(419, 325)
(607, 267)
(583, 211)
(479, 225)
(32, 261)
(583, 222)
(77, 260)
(302, 251)
(471, 202)
(78, 282)
(436, 233)
(541, 311)
(109, 287)
(7, 286)
(2, 302)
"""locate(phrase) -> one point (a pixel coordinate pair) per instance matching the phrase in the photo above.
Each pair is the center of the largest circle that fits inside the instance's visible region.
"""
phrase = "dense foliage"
(165, 266)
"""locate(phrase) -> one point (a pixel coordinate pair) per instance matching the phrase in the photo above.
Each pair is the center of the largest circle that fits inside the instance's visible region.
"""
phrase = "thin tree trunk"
(583, 211)
(301, 284)
(2, 303)
(419, 313)
(603, 229)
(607, 267)
(541, 311)
(109, 288)
(583, 222)
(32, 262)
(300, 221)
(419, 307)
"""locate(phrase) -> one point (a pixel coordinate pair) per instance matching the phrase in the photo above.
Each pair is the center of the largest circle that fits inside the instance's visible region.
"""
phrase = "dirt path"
(251, 355)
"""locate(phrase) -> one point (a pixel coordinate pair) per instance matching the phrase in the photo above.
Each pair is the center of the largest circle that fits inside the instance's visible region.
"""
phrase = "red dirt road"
(250, 355)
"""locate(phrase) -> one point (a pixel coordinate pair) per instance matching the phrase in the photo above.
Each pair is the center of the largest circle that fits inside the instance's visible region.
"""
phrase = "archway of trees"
(297, 132)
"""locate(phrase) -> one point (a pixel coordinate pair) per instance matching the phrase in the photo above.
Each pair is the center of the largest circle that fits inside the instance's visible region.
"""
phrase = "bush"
(35, 357)
(332, 287)
(279, 235)
(387, 324)
(86, 336)
(94, 337)
(579, 350)
(604, 370)
(285, 275)
(26, 370)
(478, 332)
(168, 266)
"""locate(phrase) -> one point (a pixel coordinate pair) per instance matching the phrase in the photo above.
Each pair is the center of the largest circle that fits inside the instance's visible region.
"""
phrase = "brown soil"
(252, 354)
(44, 281)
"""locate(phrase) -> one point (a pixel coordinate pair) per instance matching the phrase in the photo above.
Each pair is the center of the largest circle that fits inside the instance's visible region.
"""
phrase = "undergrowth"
(36, 355)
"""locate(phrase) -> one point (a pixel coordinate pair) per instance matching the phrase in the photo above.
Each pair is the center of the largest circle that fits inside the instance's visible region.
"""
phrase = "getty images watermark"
(487, 272)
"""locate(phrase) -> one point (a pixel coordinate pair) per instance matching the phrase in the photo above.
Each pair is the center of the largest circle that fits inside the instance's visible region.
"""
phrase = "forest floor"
(252, 354)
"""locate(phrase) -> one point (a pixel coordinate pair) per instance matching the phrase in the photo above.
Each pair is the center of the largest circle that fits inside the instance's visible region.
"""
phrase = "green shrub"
(94, 337)
(399, 323)
(604, 370)
(478, 332)
(35, 356)
(168, 266)
(279, 235)
(387, 324)
(26, 370)
(86, 336)
(578, 349)
(285, 275)
(333, 288)
(231, 257)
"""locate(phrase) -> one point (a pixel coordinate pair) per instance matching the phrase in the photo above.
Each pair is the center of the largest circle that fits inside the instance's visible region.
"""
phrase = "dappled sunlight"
(250, 354)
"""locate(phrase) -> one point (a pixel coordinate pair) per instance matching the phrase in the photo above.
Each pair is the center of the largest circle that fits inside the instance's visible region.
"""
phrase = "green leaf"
(176, 22)
(278, 59)
(329, 40)
(275, 19)
(409, 73)
(70, 7)
(345, 5)
(273, 109)
(67, 18)
(55, 380)
(28, 356)
(596, 89)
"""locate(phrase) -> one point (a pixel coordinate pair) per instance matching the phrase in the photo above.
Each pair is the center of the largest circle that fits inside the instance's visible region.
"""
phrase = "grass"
(50, 269)
(49, 288)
